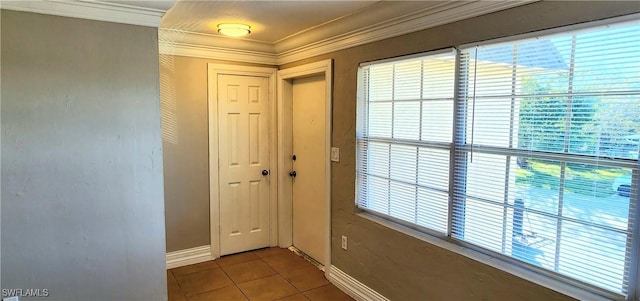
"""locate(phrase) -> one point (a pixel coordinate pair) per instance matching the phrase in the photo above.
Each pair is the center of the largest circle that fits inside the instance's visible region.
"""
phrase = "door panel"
(243, 115)
(309, 146)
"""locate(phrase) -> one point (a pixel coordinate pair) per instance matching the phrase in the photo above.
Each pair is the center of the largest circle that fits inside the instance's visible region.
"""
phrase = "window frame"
(362, 118)
(538, 275)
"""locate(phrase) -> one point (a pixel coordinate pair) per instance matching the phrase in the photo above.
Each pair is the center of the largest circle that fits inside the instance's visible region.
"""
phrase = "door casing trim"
(213, 70)
(285, 199)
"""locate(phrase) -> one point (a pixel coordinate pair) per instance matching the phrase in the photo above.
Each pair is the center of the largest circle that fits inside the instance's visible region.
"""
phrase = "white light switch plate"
(335, 154)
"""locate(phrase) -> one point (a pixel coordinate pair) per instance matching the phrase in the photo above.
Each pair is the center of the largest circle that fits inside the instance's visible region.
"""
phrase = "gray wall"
(394, 264)
(82, 191)
(185, 141)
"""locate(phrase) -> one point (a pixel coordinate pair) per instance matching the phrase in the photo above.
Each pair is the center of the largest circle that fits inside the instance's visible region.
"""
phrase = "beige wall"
(82, 199)
(185, 144)
(394, 264)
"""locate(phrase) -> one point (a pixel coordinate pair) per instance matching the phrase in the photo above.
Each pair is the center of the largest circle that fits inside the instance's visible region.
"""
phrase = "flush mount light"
(234, 29)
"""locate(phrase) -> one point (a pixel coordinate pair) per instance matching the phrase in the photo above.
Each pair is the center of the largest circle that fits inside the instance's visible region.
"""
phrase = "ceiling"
(274, 21)
(286, 31)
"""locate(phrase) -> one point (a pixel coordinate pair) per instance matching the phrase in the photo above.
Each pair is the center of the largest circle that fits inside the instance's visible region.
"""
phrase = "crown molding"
(218, 53)
(341, 34)
(91, 10)
(212, 40)
(184, 43)
(379, 14)
(420, 20)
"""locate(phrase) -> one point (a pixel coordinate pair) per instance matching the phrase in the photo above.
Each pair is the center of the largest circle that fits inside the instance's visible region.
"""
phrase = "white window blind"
(543, 151)
(547, 126)
(404, 139)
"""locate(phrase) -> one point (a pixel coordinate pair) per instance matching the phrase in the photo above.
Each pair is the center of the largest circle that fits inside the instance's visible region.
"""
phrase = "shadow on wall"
(168, 103)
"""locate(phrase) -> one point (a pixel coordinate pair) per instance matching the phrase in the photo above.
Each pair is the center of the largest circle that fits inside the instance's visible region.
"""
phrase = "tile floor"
(261, 275)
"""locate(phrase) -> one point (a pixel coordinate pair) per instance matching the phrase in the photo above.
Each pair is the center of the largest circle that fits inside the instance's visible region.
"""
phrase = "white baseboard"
(188, 256)
(353, 287)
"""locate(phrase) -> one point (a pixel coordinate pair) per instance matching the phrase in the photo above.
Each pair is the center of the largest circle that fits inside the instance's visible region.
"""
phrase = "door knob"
(265, 172)
(293, 174)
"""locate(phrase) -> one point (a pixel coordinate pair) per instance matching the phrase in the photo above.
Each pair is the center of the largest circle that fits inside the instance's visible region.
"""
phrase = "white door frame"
(285, 104)
(212, 103)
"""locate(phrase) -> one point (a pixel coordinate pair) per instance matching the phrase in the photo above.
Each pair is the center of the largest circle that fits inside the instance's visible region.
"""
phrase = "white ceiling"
(270, 21)
(285, 31)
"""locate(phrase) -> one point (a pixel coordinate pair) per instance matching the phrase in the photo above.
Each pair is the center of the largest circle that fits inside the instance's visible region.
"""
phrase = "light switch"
(335, 154)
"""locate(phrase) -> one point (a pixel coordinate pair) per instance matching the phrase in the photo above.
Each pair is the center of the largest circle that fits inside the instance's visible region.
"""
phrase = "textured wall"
(185, 140)
(185, 146)
(82, 198)
(396, 265)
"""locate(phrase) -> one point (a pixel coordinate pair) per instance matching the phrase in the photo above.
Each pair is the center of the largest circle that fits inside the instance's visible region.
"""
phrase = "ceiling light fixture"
(234, 29)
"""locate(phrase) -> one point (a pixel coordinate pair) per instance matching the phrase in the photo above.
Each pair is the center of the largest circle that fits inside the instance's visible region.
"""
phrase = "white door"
(309, 187)
(243, 125)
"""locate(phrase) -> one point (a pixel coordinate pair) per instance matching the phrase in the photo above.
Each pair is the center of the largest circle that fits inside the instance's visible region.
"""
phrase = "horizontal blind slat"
(405, 111)
(569, 96)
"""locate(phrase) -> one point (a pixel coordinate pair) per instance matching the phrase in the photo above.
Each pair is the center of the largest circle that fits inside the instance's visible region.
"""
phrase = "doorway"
(304, 123)
(242, 156)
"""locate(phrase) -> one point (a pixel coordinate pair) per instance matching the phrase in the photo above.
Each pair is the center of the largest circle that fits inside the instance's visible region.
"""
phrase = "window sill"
(511, 268)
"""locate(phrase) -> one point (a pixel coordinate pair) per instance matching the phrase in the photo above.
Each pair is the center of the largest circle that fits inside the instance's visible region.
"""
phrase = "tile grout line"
(313, 263)
(283, 277)
(259, 258)
(179, 285)
(184, 294)
(191, 273)
(234, 282)
(300, 254)
(287, 280)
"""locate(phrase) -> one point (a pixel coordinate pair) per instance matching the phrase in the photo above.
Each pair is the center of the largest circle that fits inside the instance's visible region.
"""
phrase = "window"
(535, 160)
(405, 139)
